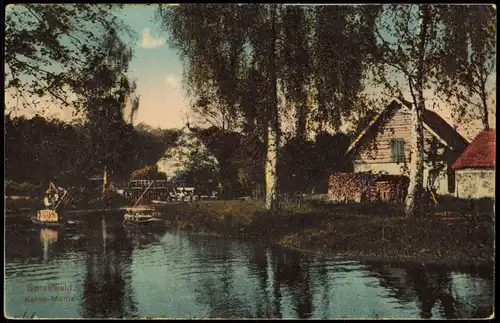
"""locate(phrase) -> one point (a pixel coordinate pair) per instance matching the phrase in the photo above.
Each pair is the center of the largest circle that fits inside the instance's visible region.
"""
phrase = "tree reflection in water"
(324, 283)
(261, 264)
(107, 292)
(292, 271)
(216, 288)
(274, 272)
(432, 288)
(432, 285)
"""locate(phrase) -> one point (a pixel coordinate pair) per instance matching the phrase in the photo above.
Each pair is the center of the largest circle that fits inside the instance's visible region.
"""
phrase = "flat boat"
(142, 216)
(160, 202)
(50, 218)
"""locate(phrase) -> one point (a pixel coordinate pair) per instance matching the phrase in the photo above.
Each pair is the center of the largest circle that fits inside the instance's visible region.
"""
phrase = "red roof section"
(480, 152)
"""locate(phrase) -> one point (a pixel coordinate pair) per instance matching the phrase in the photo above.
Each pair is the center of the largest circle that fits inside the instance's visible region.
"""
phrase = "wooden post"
(143, 193)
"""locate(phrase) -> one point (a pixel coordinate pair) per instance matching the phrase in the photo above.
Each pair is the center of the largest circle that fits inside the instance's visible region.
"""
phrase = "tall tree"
(104, 90)
(411, 45)
(240, 57)
(470, 60)
(273, 125)
(296, 68)
(105, 87)
(227, 48)
(343, 45)
(49, 46)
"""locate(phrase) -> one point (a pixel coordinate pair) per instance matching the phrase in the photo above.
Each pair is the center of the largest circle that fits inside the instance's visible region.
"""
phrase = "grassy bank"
(352, 231)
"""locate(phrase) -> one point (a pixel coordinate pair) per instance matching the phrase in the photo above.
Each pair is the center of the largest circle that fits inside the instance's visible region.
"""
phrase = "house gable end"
(432, 122)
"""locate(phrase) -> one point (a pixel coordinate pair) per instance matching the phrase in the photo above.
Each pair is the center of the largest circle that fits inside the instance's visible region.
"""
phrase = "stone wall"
(475, 183)
(366, 188)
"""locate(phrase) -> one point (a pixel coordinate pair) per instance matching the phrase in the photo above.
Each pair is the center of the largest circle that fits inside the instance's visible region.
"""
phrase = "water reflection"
(262, 265)
(47, 237)
(125, 272)
(435, 291)
(218, 290)
(432, 287)
(106, 289)
(292, 272)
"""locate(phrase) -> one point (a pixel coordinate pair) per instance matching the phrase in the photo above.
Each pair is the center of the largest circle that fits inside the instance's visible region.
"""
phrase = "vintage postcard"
(249, 161)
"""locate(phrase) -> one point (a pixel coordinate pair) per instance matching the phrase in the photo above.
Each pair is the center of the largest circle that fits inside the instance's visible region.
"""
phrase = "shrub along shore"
(351, 231)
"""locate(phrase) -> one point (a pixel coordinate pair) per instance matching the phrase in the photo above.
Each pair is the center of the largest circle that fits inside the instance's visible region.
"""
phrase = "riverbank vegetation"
(358, 231)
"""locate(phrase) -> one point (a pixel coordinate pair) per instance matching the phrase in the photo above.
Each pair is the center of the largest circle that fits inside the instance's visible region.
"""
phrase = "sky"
(158, 70)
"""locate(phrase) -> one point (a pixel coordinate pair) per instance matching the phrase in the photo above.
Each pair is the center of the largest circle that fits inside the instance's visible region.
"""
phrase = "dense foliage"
(49, 48)
(39, 150)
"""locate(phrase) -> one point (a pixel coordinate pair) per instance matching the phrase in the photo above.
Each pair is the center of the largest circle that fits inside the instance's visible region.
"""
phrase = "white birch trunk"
(270, 169)
(272, 203)
(415, 188)
(413, 203)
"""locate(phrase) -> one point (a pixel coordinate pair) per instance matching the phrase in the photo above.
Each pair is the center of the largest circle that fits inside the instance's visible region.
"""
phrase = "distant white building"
(176, 160)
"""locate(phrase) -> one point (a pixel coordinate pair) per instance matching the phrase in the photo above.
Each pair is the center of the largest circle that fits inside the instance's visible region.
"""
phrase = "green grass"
(350, 230)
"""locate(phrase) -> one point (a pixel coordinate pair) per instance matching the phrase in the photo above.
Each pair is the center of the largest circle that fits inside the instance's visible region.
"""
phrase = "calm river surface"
(105, 270)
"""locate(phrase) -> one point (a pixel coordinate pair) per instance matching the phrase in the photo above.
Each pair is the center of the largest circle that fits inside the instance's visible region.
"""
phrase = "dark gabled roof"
(437, 124)
(480, 153)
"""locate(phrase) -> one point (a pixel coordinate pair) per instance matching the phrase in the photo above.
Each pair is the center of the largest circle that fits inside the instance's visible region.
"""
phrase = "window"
(398, 150)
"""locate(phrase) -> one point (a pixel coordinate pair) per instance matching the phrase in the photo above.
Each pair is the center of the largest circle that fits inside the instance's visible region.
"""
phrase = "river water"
(107, 271)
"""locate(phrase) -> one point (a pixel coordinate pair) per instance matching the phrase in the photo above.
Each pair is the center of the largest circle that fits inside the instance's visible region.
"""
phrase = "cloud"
(173, 81)
(148, 41)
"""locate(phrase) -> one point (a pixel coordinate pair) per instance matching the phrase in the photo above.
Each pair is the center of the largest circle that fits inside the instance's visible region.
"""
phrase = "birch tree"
(273, 126)
(470, 61)
(410, 40)
(296, 67)
(342, 48)
(222, 47)
(242, 54)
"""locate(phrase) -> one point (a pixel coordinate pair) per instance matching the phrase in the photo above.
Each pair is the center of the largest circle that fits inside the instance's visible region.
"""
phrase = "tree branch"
(410, 83)
(468, 100)
(35, 15)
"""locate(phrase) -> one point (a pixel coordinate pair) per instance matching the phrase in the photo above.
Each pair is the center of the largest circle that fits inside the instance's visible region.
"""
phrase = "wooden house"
(384, 146)
(475, 168)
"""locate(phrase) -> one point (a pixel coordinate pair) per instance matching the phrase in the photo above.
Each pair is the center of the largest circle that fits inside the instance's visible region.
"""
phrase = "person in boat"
(48, 201)
(51, 196)
(54, 196)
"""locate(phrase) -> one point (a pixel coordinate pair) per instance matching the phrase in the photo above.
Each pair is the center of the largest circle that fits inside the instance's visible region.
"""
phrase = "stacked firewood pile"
(366, 188)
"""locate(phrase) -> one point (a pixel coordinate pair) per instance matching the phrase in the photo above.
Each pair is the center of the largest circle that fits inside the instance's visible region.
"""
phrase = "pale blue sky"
(156, 68)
